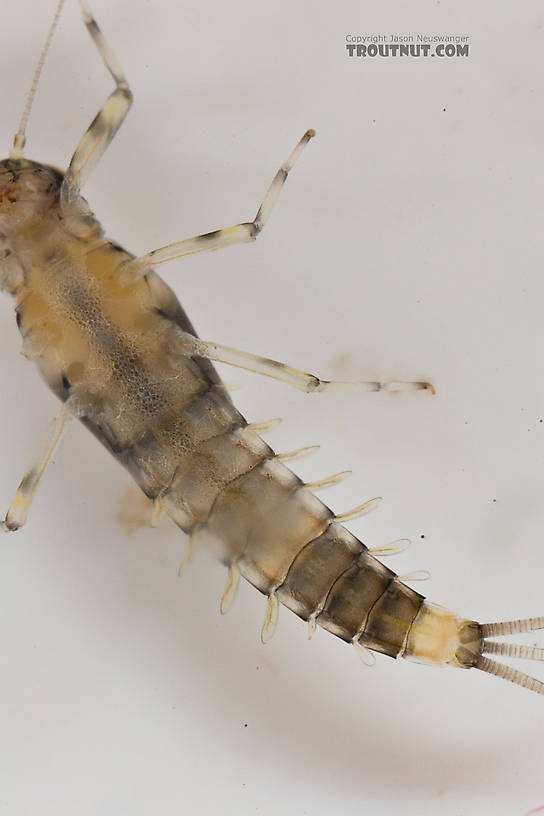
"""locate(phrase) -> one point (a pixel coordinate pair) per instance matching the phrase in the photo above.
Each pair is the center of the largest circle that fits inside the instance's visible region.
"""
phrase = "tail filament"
(513, 650)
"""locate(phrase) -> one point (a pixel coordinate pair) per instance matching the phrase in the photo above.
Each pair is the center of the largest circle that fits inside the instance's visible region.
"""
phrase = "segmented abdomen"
(286, 541)
(168, 419)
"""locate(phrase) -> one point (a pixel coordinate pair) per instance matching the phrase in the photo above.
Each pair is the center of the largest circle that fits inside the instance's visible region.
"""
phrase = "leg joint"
(255, 229)
(124, 88)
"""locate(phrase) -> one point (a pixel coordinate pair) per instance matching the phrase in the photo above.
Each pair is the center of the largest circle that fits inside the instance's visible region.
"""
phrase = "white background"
(407, 243)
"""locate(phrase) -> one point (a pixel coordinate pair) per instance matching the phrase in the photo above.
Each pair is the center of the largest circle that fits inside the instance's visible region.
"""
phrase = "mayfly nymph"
(114, 344)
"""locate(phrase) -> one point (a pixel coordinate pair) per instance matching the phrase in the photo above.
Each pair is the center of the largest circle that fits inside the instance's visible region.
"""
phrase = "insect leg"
(20, 506)
(237, 234)
(105, 124)
(285, 373)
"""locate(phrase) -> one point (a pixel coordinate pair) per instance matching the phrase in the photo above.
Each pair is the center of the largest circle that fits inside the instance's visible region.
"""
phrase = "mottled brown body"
(108, 336)
(112, 341)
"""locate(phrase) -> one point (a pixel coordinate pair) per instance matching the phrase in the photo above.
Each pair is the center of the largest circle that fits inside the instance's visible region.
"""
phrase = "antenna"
(20, 138)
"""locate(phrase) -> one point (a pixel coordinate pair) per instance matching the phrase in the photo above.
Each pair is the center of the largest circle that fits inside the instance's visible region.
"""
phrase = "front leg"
(102, 129)
(20, 506)
(286, 373)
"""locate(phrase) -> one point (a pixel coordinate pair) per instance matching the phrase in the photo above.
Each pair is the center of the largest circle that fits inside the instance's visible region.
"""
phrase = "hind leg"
(20, 506)
(286, 373)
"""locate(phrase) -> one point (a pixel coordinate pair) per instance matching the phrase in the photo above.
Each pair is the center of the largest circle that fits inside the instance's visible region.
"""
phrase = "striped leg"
(285, 373)
(20, 506)
(240, 233)
(104, 126)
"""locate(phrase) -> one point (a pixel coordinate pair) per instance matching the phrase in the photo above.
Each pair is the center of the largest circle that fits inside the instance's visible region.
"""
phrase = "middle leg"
(239, 233)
